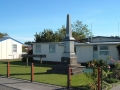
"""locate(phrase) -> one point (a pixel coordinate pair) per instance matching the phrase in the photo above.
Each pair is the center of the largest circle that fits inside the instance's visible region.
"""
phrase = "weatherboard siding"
(84, 52)
(6, 49)
(49, 56)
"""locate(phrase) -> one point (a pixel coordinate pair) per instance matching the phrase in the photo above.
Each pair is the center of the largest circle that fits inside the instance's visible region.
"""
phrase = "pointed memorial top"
(68, 30)
(68, 27)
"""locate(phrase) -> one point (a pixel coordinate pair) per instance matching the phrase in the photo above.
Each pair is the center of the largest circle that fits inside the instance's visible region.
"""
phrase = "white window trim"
(104, 50)
(52, 51)
(39, 49)
(14, 48)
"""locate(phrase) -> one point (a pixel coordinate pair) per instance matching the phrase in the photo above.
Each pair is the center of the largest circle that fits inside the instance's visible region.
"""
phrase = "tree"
(46, 36)
(28, 42)
(3, 34)
(80, 31)
(61, 33)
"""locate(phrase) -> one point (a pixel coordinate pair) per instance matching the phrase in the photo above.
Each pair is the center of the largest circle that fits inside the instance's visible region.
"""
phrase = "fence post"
(99, 78)
(27, 61)
(69, 77)
(32, 72)
(40, 60)
(8, 69)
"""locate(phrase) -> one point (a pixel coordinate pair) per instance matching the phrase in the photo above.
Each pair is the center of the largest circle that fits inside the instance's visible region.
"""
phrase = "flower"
(108, 66)
(116, 76)
(112, 60)
(92, 64)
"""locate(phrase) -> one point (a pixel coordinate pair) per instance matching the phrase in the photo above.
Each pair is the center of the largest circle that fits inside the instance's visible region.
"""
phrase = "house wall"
(112, 52)
(84, 53)
(49, 56)
(6, 49)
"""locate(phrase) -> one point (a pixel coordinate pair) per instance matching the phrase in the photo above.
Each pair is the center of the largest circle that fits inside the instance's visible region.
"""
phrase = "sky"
(21, 19)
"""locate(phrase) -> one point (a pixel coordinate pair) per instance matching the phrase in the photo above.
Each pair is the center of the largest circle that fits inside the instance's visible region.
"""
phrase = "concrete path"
(116, 87)
(17, 84)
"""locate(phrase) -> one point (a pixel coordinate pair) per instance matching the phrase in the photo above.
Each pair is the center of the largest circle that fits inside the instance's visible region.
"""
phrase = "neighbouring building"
(10, 48)
(96, 49)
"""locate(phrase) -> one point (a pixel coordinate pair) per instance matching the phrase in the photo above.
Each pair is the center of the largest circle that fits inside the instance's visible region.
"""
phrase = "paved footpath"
(18, 84)
(116, 87)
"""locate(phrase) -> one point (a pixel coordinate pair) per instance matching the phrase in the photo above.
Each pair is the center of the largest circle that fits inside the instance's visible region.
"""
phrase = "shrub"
(111, 80)
(30, 59)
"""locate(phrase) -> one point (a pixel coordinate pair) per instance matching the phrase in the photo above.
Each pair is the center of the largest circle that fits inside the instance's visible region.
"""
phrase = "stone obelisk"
(69, 56)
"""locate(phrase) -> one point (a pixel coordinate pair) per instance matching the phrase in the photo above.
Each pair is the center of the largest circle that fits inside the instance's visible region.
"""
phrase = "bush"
(111, 80)
(30, 59)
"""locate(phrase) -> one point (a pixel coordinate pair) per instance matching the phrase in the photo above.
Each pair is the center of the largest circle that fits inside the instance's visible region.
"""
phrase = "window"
(38, 48)
(14, 48)
(52, 48)
(95, 48)
(103, 47)
(103, 50)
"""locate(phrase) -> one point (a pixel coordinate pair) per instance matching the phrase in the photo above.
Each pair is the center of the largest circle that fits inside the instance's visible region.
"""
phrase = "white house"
(99, 47)
(84, 51)
(52, 50)
(90, 51)
(10, 48)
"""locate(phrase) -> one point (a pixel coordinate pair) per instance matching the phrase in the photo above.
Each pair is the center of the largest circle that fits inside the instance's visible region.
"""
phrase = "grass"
(19, 69)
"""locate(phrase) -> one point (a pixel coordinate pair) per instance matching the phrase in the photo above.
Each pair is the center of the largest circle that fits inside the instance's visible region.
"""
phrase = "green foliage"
(28, 42)
(24, 49)
(117, 64)
(111, 80)
(46, 36)
(116, 74)
(3, 34)
(94, 76)
(30, 59)
(80, 31)
(18, 69)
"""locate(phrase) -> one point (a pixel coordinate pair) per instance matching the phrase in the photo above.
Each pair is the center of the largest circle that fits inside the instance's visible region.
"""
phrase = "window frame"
(103, 50)
(14, 48)
(37, 48)
(52, 48)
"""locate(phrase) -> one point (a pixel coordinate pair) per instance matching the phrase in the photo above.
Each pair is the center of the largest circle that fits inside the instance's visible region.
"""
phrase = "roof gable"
(5, 38)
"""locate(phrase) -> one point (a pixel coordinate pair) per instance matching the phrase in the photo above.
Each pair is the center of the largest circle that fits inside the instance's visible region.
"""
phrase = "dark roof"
(5, 38)
(105, 37)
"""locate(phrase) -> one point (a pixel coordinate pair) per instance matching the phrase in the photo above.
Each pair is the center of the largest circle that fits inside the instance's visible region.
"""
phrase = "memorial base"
(65, 63)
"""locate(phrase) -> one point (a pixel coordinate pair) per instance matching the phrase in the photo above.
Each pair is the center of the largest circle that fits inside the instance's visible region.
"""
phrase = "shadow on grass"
(40, 73)
(20, 63)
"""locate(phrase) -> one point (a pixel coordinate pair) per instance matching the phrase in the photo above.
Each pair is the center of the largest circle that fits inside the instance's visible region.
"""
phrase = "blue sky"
(21, 19)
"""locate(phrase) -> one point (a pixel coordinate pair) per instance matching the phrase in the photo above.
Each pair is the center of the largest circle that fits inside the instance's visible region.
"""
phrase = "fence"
(38, 73)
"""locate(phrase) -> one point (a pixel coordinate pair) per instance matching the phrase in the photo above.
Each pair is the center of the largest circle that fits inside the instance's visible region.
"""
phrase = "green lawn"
(19, 69)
